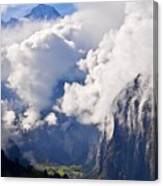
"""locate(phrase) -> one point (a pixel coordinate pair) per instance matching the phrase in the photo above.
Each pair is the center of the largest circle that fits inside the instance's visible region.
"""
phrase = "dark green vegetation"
(10, 168)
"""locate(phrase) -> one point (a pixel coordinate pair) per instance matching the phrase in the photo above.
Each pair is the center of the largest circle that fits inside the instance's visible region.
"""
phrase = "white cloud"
(32, 65)
(37, 63)
(51, 118)
(8, 122)
(98, 18)
(120, 57)
(29, 119)
(8, 118)
(93, 20)
(28, 28)
(33, 62)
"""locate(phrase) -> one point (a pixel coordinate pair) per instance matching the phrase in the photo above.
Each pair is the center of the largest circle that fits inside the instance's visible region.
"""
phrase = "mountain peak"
(43, 12)
(40, 12)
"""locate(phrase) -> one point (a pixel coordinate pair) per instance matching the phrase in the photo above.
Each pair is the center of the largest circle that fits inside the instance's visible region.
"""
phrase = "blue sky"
(19, 11)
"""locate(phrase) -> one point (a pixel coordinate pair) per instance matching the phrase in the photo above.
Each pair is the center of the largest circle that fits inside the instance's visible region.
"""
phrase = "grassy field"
(72, 171)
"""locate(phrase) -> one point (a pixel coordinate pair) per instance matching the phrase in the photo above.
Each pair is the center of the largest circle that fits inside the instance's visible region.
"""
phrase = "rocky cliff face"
(131, 153)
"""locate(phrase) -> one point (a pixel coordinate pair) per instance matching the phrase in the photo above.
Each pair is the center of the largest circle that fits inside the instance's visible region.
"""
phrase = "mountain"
(131, 153)
(43, 12)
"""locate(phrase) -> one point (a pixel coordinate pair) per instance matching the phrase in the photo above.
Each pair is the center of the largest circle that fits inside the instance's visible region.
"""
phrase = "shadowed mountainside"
(131, 154)
(10, 168)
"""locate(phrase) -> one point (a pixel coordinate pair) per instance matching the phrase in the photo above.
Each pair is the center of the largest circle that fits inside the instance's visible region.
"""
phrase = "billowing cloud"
(98, 18)
(28, 28)
(51, 118)
(119, 58)
(33, 62)
(8, 115)
(43, 53)
(29, 118)
(35, 66)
